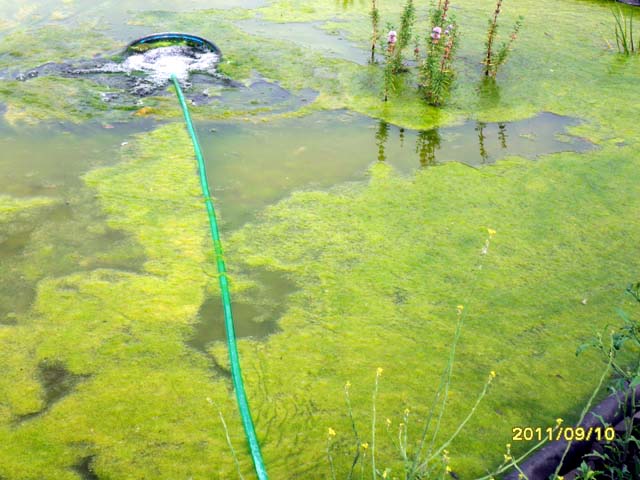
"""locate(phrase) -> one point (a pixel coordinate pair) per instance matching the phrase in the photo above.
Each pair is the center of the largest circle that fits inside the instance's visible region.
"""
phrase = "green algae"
(143, 410)
(13, 209)
(418, 242)
(566, 230)
(422, 237)
(61, 99)
(25, 49)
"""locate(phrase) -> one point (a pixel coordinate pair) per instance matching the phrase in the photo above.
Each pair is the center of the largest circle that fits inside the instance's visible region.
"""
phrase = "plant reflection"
(427, 142)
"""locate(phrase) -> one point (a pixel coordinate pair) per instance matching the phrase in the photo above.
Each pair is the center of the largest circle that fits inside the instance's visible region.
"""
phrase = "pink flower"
(392, 37)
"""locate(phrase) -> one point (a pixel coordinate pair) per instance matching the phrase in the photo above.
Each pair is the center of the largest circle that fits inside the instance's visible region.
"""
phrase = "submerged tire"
(190, 39)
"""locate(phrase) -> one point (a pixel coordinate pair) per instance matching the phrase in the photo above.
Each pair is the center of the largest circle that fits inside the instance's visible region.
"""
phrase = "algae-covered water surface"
(357, 233)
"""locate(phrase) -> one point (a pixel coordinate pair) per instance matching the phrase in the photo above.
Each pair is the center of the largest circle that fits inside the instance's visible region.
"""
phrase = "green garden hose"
(236, 374)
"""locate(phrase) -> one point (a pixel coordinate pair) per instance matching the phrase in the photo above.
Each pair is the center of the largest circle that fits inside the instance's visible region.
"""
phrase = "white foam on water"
(159, 63)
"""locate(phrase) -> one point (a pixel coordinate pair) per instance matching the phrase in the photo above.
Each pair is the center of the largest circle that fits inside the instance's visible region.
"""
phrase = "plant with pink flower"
(436, 70)
(494, 59)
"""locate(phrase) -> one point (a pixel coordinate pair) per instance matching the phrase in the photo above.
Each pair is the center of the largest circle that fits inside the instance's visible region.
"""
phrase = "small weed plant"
(497, 56)
(619, 459)
(624, 32)
(375, 24)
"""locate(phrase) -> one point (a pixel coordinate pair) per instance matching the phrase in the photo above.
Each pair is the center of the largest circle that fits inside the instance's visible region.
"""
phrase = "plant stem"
(492, 32)
(373, 427)
(375, 18)
(586, 409)
(233, 452)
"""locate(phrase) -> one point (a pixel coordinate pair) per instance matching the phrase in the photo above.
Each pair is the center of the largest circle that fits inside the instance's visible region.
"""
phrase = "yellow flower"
(508, 447)
(491, 232)
(332, 432)
(559, 421)
(460, 308)
(365, 445)
(521, 476)
(447, 469)
(379, 371)
(388, 422)
(347, 385)
(406, 411)
(507, 458)
(492, 374)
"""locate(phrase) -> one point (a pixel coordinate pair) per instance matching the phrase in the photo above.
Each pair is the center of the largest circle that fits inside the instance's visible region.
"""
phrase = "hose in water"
(236, 374)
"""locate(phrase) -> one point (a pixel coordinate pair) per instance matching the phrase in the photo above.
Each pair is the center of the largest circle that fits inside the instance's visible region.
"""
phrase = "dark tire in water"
(176, 37)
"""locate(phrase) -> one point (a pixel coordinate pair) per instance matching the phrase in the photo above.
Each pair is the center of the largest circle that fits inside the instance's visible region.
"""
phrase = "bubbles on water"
(151, 70)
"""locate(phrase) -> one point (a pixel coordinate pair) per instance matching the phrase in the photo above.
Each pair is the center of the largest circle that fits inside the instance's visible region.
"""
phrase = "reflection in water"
(346, 4)
(382, 134)
(480, 126)
(502, 135)
(427, 142)
(488, 93)
(478, 143)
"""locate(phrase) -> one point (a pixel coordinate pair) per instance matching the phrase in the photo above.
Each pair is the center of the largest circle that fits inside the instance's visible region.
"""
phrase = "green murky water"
(352, 230)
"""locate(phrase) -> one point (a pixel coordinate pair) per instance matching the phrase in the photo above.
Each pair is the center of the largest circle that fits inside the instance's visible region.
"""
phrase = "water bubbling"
(158, 64)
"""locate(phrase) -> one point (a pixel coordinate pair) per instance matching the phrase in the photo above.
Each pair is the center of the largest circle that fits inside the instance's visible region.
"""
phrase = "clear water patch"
(57, 382)
(257, 164)
(255, 311)
(308, 35)
(59, 227)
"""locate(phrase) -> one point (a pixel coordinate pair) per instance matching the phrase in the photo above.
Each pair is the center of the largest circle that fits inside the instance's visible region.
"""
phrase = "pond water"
(353, 231)
(309, 35)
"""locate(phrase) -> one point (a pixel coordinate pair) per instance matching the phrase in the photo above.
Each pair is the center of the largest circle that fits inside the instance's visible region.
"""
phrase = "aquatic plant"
(388, 72)
(405, 34)
(494, 59)
(396, 44)
(375, 21)
(624, 32)
(436, 72)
